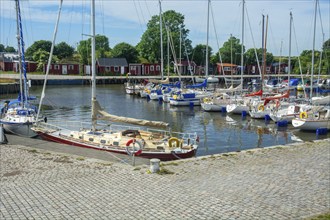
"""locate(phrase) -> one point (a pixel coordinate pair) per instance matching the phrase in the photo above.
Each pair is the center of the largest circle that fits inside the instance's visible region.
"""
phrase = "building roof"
(226, 64)
(112, 62)
(8, 57)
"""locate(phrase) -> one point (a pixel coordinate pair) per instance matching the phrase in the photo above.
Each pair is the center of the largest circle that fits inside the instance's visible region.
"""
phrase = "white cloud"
(126, 20)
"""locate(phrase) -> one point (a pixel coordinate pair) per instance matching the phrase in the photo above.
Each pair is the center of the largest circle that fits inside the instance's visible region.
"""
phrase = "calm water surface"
(218, 132)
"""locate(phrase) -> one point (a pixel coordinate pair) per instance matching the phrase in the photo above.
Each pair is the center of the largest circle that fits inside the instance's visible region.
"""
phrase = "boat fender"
(303, 115)
(136, 145)
(261, 108)
(173, 140)
(206, 100)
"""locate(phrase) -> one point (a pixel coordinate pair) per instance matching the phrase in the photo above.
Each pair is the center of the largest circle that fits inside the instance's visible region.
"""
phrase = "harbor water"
(218, 132)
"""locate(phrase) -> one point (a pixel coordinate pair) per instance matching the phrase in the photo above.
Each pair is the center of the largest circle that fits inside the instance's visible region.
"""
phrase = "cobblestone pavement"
(284, 182)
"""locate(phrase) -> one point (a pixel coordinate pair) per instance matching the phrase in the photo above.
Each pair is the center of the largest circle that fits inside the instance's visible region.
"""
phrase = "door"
(64, 69)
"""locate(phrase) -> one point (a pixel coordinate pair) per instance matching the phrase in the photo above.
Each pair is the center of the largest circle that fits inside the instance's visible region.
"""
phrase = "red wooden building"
(112, 65)
(138, 69)
(63, 69)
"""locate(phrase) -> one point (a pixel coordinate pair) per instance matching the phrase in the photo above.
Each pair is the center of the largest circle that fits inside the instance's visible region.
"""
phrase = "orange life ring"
(174, 140)
(261, 108)
(139, 149)
(303, 115)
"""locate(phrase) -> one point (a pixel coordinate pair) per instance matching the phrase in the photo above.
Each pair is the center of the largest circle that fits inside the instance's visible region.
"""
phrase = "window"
(133, 67)
(152, 68)
(226, 68)
(116, 68)
(157, 68)
(107, 68)
(71, 67)
(56, 67)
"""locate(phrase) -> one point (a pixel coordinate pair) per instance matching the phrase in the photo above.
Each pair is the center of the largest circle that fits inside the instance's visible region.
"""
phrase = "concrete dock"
(283, 182)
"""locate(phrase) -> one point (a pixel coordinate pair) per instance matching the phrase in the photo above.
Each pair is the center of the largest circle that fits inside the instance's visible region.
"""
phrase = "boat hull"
(310, 125)
(163, 156)
(21, 129)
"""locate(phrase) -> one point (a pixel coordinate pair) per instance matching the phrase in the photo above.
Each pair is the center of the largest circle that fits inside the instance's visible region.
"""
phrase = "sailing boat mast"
(19, 54)
(313, 52)
(22, 67)
(264, 55)
(207, 41)
(242, 49)
(94, 111)
(161, 40)
(289, 70)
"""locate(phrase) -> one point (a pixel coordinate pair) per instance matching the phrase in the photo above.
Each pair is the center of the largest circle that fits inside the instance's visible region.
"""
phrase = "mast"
(265, 50)
(22, 66)
(289, 62)
(50, 58)
(207, 41)
(161, 40)
(94, 111)
(242, 49)
(19, 54)
(313, 53)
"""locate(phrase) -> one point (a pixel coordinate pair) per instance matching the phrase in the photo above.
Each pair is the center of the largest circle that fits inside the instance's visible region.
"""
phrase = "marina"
(218, 132)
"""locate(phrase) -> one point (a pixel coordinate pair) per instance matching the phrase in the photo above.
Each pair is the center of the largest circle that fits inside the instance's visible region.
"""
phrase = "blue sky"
(125, 21)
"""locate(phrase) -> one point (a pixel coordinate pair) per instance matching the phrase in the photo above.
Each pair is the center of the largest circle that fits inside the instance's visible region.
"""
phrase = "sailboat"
(319, 116)
(19, 115)
(154, 142)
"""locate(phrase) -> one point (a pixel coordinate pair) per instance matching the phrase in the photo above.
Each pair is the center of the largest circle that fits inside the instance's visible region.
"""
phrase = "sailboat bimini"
(150, 143)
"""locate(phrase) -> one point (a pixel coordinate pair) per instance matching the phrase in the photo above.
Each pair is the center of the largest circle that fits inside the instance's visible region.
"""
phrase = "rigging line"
(69, 32)
(138, 14)
(147, 8)
(216, 35)
(144, 19)
(254, 45)
(102, 14)
(299, 62)
(321, 23)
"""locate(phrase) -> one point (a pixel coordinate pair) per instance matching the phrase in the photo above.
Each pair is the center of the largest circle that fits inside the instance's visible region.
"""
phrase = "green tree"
(41, 57)
(42, 45)
(124, 50)
(63, 50)
(231, 51)
(101, 47)
(173, 24)
(10, 49)
(2, 48)
(250, 57)
(198, 55)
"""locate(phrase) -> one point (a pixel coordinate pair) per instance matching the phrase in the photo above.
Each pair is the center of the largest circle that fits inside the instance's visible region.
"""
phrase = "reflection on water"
(218, 132)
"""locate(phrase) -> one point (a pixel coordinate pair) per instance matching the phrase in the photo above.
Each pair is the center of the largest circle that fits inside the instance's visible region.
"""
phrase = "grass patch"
(325, 216)
(105, 164)
(164, 171)
(33, 151)
(3, 80)
(80, 158)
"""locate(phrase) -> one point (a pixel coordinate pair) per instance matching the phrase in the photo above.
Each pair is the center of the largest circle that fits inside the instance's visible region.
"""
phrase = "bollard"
(243, 114)
(154, 165)
(267, 117)
(3, 138)
(321, 131)
(191, 104)
(283, 123)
